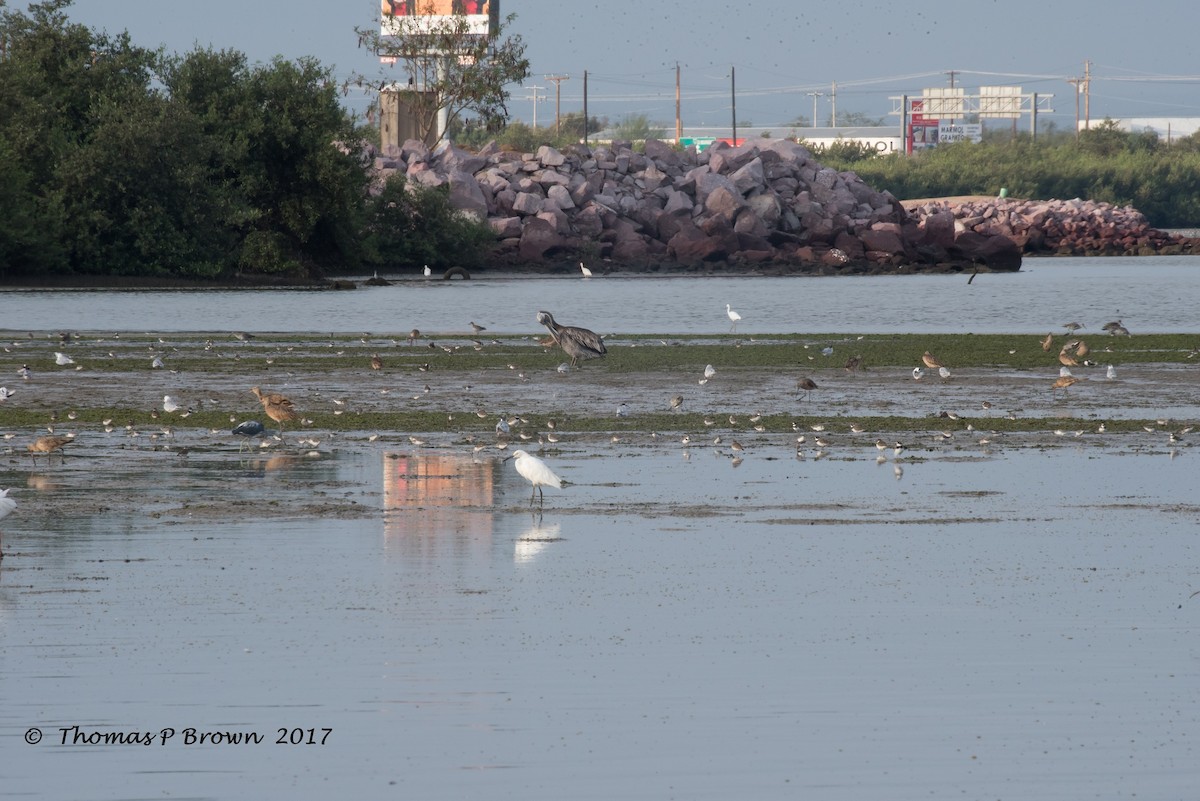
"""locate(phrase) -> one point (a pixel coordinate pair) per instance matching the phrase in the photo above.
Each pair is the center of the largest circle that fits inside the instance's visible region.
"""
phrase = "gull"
(623, 410)
(709, 371)
(169, 404)
(62, 359)
(733, 317)
(1064, 371)
(918, 374)
(944, 372)
(156, 362)
(6, 393)
(25, 372)
(1110, 373)
(502, 427)
(827, 351)
(563, 368)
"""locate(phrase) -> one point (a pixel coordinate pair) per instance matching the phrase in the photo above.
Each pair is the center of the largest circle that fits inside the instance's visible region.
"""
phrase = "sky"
(784, 56)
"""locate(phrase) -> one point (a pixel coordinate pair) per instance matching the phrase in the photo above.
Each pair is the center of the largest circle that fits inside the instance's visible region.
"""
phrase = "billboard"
(483, 16)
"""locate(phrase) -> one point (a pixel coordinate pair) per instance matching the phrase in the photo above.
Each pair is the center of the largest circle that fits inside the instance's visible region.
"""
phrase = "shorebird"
(806, 385)
(733, 317)
(48, 445)
(1072, 327)
(578, 343)
(852, 364)
(413, 336)
(1067, 359)
(376, 362)
(1062, 382)
(536, 472)
(1111, 326)
(676, 403)
(276, 406)
(1048, 342)
(931, 361)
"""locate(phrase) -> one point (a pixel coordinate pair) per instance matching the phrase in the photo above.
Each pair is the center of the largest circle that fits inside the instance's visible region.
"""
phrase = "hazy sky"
(1143, 61)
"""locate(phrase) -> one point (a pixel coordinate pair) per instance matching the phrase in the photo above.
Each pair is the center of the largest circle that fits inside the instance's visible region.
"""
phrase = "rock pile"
(766, 203)
(1061, 227)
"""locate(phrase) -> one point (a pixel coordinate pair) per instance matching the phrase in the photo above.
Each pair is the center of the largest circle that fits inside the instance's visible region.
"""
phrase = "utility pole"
(585, 116)
(1087, 95)
(733, 100)
(814, 96)
(678, 119)
(558, 79)
(1078, 84)
(952, 73)
(833, 105)
(535, 97)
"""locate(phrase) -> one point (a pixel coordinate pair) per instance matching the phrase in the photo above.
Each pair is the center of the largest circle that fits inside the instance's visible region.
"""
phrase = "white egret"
(7, 505)
(427, 272)
(586, 272)
(536, 472)
(733, 317)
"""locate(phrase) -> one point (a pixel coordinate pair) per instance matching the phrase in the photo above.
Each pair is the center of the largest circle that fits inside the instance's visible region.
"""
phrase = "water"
(1013, 623)
(1148, 293)
(670, 627)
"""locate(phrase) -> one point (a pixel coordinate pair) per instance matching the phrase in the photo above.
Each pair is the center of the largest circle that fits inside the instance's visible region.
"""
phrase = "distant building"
(885, 139)
(1169, 129)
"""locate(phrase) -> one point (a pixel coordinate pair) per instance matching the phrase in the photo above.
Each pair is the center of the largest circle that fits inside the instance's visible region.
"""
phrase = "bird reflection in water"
(535, 539)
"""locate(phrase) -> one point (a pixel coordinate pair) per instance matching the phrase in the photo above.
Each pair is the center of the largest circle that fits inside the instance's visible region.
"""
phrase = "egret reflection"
(534, 539)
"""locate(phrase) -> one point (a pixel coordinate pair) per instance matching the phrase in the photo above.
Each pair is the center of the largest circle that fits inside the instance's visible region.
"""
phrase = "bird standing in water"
(248, 430)
(276, 406)
(7, 505)
(733, 318)
(578, 343)
(536, 472)
(48, 445)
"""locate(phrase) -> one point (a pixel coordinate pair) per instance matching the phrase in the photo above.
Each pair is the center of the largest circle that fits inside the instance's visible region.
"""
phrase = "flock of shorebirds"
(580, 344)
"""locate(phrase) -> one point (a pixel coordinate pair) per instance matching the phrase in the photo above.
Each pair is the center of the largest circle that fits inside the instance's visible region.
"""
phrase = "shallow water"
(1007, 624)
(1148, 293)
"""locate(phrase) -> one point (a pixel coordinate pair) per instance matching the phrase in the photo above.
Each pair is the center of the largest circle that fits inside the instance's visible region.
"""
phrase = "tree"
(636, 127)
(448, 65)
(857, 119)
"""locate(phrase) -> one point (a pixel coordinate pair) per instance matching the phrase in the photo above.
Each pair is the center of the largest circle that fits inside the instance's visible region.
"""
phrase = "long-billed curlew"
(931, 361)
(48, 445)
(276, 406)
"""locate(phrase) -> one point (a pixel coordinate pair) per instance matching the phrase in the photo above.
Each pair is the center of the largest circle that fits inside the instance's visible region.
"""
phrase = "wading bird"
(806, 385)
(48, 445)
(583, 269)
(376, 362)
(248, 430)
(7, 505)
(931, 361)
(578, 343)
(276, 406)
(733, 318)
(536, 472)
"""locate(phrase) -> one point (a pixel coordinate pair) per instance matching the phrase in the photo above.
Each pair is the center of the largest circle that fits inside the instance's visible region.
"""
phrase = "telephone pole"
(833, 105)
(814, 96)
(1078, 84)
(1087, 95)
(678, 119)
(535, 97)
(558, 79)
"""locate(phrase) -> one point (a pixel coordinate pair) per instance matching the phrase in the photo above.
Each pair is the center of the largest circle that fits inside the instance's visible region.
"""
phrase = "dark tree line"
(119, 160)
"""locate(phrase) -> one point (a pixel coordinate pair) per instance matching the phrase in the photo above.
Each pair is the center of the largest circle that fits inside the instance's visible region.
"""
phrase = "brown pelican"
(578, 343)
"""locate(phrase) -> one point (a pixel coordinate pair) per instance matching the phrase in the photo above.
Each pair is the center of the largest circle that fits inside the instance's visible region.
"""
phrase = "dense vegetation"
(1105, 164)
(117, 160)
